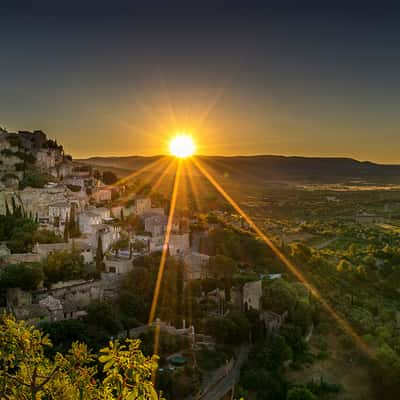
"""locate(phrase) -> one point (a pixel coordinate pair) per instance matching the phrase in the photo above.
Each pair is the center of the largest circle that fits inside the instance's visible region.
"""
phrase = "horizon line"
(243, 156)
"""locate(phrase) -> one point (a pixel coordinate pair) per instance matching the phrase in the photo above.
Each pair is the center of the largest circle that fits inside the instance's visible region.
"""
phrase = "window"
(112, 269)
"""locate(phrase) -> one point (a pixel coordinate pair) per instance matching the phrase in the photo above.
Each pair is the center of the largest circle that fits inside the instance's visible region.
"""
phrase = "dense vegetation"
(119, 371)
(20, 232)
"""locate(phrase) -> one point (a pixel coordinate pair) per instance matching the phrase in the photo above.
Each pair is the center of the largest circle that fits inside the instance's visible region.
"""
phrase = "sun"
(182, 146)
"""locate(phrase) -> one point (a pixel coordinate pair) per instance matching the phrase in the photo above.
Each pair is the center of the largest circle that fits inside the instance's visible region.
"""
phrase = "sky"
(248, 77)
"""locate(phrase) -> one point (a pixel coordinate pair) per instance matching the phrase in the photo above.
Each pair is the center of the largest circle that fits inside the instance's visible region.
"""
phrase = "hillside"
(273, 168)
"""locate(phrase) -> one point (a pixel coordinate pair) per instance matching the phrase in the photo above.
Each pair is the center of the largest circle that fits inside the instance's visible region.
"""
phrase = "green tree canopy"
(63, 266)
(27, 373)
(300, 393)
(23, 276)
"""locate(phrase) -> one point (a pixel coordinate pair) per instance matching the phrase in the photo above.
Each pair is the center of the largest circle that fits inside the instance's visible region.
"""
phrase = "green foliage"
(232, 329)
(34, 179)
(279, 296)
(243, 247)
(64, 333)
(101, 316)
(223, 268)
(27, 373)
(209, 359)
(18, 232)
(168, 343)
(63, 266)
(99, 255)
(73, 225)
(23, 276)
(300, 251)
(300, 393)
(46, 236)
(385, 371)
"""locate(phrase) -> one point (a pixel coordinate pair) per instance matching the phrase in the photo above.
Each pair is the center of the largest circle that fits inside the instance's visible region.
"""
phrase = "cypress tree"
(8, 213)
(99, 255)
(66, 229)
(15, 209)
(72, 225)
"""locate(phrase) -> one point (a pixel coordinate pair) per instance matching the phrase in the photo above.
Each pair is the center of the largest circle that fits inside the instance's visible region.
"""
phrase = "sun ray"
(193, 185)
(156, 169)
(165, 250)
(289, 264)
(220, 91)
(137, 172)
(160, 179)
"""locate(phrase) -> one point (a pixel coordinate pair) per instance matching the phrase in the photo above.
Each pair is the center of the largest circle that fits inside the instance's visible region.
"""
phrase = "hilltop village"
(76, 209)
(80, 251)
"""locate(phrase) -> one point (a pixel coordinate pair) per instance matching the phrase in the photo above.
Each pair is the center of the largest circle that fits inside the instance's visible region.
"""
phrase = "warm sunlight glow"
(182, 146)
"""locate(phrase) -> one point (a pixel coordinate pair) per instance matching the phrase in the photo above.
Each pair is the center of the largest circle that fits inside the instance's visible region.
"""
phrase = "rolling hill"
(270, 168)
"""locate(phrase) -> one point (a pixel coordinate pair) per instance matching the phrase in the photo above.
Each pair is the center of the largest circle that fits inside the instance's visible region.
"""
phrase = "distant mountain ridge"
(271, 167)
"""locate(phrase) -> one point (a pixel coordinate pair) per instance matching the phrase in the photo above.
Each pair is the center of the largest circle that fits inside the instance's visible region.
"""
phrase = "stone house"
(64, 169)
(103, 212)
(155, 224)
(84, 248)
(117, 265)
(142, 205)
(178, 243)
(102, 194)
(252, 294)
(46, 158)
(87, 221)
(195, 265)
(109, 234)
(59, 211)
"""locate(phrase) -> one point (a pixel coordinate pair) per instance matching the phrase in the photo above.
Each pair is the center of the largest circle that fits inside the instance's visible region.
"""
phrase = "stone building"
(195, 265)
(252, 293)
(59, 211)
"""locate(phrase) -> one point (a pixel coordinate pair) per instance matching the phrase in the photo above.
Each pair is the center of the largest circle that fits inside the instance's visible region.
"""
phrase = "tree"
(27, 373)
(18, 231)
(231, 329)
(223, 267)
(279, 296)
(138, 246)
(300, 393)
(109, 178)
(23, 276)
(63, 266)
(66, 230)
(34, 179)
(99, 255)
(73, 226)
(46, 236)
(8, 213)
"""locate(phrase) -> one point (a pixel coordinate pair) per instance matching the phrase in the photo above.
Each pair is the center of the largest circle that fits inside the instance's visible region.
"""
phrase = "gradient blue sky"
(289, 77)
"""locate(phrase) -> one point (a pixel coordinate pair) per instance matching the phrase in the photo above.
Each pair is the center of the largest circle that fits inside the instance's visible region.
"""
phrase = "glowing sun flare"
(182, 146)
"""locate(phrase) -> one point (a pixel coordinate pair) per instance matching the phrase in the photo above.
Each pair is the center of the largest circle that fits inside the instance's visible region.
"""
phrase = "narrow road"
(322, 245)
(227, 382)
